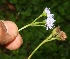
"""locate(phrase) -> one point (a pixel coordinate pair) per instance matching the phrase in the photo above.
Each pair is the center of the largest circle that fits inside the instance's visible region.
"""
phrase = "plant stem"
(24, 27)
(37, 18)
(46, 40)
(36, 49)
(31, 24)
(40, 25)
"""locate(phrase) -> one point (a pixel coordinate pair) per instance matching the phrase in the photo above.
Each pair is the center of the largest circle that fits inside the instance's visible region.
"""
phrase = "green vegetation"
(24, 12)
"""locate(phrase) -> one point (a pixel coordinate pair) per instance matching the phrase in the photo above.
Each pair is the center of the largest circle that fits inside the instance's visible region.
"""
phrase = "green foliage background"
(33, 36)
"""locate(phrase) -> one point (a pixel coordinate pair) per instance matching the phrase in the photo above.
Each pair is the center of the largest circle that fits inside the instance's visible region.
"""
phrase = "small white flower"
(50, 15)
(47, 10)
(49, 23)
(50, 19)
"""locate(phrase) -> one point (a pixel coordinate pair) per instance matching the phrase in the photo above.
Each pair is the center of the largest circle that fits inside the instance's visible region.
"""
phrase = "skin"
(11, 27)
(2, 32)
(9, 35)
(8, 31)
(15, 44)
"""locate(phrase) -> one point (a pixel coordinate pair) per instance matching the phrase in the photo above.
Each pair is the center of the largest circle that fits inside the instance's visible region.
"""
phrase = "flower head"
(47, 10)
(49, 23)
(60, 35)
(50, 19)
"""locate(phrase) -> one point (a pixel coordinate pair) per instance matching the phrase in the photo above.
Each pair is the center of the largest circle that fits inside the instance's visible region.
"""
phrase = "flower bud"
(62, 35)
(56, 31)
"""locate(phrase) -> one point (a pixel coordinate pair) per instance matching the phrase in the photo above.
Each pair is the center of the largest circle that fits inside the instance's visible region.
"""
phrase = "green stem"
(37, 18)
(36, 50)
(32, 24)
(40, 25)
(46, 40)
(24, 27)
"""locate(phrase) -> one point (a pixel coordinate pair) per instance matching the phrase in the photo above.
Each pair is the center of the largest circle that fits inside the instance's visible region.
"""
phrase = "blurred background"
(23, 12)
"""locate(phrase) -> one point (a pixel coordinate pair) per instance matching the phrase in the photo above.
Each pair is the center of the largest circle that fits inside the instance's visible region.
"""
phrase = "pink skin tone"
(10, 36)
(11, 27)
(14, 44)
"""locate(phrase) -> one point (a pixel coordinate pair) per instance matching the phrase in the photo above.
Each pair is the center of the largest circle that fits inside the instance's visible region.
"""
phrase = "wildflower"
(47, 11)
(50, 19)
(56, 31)
(62, 35)
(59, 34)
(49, 23)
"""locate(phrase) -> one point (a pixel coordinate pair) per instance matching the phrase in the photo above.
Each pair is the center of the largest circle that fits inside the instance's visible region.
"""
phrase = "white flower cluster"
(50, 20)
